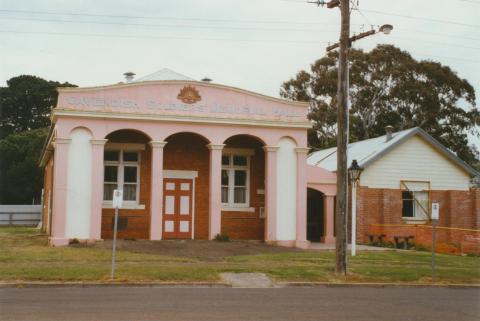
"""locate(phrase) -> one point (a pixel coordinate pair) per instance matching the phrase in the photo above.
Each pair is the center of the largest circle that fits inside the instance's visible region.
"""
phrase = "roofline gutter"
(45, 149)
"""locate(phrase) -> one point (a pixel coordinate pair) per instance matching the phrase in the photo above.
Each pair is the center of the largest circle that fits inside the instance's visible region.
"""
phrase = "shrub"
(222, 238)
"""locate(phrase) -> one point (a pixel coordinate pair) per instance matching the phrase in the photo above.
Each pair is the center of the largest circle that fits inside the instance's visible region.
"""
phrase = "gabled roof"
(369, 150)
(164, 74)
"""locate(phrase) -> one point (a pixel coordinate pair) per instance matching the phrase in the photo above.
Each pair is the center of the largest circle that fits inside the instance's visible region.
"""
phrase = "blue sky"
(252, 44)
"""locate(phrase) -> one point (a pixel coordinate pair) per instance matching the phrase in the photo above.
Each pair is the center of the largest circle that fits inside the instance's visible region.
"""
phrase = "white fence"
(26, 215)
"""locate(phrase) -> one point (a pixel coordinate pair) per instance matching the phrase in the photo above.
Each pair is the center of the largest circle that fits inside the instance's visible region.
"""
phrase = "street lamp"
(354, 172)
(386, 29)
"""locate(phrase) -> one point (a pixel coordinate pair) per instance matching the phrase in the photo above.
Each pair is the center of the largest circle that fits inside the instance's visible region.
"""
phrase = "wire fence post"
(434, 223)
(114, 245)
(117, 203)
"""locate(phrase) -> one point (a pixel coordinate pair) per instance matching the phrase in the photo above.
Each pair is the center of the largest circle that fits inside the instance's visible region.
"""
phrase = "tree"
(389, 87)
(21, 178)
(26, 103)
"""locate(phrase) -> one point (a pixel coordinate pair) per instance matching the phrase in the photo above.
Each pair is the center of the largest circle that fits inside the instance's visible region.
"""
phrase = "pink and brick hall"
(194, 159)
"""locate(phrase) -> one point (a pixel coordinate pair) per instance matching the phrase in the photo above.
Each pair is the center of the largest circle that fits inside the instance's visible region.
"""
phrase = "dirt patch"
(202, 250)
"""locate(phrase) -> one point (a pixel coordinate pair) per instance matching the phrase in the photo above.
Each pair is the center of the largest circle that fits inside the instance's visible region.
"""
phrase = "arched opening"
(315, 215)
(127, 166)
(243, 188)
(186, 169)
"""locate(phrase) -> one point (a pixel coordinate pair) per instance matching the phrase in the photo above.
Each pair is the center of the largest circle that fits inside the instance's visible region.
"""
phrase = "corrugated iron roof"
(369, 150)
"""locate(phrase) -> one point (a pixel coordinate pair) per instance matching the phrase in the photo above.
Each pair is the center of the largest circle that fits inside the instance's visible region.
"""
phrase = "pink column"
(329, 218)
(301, 222)
(215, 193)
(60, 168)
(271, 193)
(156, 198)
(97, 188)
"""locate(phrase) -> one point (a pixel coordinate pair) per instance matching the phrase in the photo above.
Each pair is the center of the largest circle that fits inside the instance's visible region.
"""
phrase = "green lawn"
(25, 256)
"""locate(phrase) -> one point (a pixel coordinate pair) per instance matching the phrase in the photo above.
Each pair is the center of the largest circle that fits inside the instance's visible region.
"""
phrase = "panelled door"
(177, 208)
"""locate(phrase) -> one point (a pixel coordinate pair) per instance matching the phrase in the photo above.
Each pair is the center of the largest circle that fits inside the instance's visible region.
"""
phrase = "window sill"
(126, 206)
(414, 220)
(238, 209)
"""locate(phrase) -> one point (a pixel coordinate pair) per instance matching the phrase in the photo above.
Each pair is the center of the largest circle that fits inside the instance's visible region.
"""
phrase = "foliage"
(21, 178)
(25, 108)
(389, 87)
(222, 238)
(26, 103)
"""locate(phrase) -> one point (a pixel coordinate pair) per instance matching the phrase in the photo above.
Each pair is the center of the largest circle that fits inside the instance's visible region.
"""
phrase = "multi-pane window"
(415, 204)
(235, 180)
(121, 171)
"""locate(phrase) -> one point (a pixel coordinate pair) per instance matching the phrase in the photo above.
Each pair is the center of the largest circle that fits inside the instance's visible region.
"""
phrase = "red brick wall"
(248, 225)
(47, 191)
(138, 226)
(186, 151)
(459, 209)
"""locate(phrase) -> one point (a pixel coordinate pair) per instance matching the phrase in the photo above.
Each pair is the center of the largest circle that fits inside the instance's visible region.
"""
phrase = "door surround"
(181, 174)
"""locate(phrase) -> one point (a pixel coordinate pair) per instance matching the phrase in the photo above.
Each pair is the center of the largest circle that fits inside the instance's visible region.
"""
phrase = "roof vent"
(129, 76)
(389, 132)
(206, 79)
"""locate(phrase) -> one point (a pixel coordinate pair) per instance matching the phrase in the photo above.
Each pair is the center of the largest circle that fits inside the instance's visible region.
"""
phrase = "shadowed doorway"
(315, 216)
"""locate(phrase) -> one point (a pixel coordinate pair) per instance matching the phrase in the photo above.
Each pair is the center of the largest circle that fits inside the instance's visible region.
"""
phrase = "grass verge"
(25, 256)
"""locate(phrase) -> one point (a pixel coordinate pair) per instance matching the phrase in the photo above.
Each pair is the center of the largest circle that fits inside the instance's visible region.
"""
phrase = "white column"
(271, 193)
(301, 240)
(215, 193)
(156, 190)
(97, 188)
(354, 218)
(60, 172)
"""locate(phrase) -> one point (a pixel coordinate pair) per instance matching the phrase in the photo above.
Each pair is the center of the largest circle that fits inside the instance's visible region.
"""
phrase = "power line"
(422, 18)
(206, 39)
(470, 1)
(197, 19)
(161, 25)
(157, 37)
(216, 27)
(435, 42)
(157, 17)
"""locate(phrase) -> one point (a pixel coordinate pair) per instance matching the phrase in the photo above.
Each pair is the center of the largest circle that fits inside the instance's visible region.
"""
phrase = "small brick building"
(194, 159)
(404, 173)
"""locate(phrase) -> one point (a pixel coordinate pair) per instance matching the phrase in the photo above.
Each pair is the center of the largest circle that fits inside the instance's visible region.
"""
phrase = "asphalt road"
(302, 304)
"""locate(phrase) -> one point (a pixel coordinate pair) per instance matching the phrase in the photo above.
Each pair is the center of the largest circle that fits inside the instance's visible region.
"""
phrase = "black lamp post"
(354, 172)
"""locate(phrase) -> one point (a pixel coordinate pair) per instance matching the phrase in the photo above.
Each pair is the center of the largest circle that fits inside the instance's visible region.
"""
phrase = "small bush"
(422, 248)
(222, 238)
(74, 241)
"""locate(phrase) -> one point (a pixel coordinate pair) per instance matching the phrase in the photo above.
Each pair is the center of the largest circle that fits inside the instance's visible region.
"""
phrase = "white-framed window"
(236, 177)
(121, 171)
(415, 204)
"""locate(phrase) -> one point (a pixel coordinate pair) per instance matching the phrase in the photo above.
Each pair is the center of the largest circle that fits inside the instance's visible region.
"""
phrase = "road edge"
(225, 285)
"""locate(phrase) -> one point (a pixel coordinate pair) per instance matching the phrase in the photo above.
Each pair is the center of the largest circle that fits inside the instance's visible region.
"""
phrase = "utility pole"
(342, 134)
(342, 140)
(343, 88)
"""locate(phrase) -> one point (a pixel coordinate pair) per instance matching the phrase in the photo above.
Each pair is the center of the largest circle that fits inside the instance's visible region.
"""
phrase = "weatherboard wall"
(415, 160)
